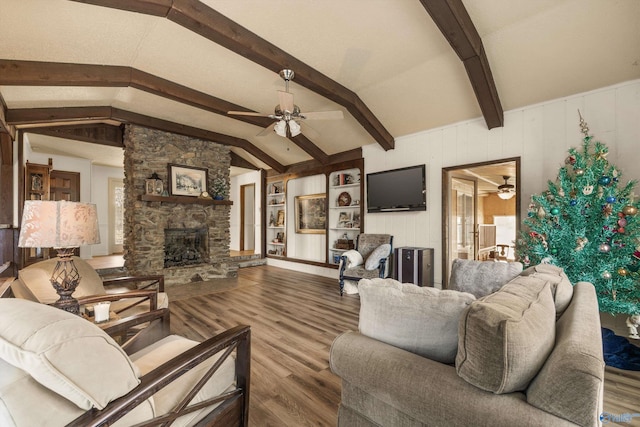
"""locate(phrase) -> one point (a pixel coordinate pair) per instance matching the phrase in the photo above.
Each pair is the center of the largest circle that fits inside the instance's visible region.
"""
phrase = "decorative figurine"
(632, 323)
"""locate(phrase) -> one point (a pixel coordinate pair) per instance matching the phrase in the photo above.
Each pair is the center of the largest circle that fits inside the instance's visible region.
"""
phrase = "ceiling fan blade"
(286, 101)
(266, 131)
(324, 115)
(247, 113)
(308, 131)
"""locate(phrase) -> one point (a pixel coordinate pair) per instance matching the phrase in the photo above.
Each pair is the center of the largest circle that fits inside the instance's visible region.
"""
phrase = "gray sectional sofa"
(528, 354)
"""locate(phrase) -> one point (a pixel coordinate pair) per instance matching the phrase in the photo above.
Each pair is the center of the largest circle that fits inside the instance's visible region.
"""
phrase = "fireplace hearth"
(185, 246)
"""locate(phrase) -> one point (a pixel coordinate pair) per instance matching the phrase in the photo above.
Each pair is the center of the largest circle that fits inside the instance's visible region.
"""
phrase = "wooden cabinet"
(37, 181)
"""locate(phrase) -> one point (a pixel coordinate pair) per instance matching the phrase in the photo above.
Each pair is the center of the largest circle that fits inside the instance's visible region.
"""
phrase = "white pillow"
(354, 258)
(373, 260)
(65, 353)
(421, 320)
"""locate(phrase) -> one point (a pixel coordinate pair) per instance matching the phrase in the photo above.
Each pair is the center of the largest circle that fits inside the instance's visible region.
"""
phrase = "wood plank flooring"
(294, 318)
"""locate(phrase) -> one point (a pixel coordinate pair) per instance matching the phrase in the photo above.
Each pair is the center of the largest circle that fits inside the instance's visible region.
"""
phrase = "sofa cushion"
(573, 375)
(64, 353)
(19, 391)
(36, 278)
(481, 278)
(166, 399)
(379, 253)
(561, 286)
(505, 337)
(421, 320)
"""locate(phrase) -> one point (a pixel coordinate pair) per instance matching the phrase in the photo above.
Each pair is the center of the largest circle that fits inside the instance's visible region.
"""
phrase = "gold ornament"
(579, 172)
(630, 210)
(607, 209)
(622, 271)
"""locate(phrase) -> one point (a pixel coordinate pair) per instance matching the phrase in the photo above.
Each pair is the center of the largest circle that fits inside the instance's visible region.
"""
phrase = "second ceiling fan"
(290, 120)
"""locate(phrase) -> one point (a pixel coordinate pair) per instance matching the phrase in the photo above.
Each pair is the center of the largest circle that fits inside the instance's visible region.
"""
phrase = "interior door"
(463, 218)
(473, 213)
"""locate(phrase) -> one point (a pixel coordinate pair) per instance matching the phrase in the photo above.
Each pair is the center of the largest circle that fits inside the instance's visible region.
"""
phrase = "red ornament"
(621, 230)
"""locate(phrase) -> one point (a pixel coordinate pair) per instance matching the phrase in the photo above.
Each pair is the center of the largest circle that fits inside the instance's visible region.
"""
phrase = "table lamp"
(63, 226)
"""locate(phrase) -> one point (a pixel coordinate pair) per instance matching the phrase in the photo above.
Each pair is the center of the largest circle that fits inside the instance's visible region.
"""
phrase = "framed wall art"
(187, 180)
(311, 213)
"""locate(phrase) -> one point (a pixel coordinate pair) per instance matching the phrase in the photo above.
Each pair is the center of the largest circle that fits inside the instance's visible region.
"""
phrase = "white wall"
(539, 134)
(100, 196)
(234, 194)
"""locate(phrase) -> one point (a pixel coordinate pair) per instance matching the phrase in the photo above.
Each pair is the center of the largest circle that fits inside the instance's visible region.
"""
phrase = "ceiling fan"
(288, 115)
(506, 190)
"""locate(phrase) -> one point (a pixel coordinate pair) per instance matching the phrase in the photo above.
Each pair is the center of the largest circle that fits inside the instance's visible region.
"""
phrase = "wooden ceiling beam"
(95, 133)
(51, 115)
(32, 73)
(4, 126)
(31, 116)
(209, 23)
(240, 162)
(456, 26)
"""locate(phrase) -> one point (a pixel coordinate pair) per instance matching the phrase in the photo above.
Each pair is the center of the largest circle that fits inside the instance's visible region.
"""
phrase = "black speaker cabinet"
(414, 265)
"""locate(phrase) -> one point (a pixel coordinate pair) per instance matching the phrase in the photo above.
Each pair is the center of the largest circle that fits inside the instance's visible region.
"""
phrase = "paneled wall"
(539, 134)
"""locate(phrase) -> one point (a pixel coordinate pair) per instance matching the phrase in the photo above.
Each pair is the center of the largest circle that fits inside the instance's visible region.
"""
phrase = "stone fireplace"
(201, 230)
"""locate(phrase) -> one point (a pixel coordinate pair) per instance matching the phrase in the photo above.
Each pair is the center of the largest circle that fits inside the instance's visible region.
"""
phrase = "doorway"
(480, 212)
(247, 217)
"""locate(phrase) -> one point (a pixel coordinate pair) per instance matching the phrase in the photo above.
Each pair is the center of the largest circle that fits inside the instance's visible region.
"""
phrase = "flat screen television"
(403, 189)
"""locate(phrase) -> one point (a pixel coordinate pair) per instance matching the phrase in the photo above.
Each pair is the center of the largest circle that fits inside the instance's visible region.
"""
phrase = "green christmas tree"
(587, 223)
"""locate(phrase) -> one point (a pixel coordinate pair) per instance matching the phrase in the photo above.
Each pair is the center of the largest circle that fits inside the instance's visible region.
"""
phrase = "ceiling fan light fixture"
(294, 128)
(506, 191)
(281, 128)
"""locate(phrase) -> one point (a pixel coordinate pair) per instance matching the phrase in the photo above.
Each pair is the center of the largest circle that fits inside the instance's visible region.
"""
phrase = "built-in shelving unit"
(184, 200)
(276, 218)
(345, 211)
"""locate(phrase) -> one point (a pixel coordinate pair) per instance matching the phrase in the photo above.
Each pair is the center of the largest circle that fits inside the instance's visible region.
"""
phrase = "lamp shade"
(58, 224)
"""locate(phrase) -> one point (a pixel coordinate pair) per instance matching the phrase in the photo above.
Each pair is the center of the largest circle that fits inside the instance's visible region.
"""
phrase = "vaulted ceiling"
(78, 69)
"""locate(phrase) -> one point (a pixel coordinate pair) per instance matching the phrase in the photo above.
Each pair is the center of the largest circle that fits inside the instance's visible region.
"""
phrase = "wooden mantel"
(184, 200)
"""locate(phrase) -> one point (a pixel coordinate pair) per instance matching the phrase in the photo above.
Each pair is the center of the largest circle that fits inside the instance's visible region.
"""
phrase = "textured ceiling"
(389, 52)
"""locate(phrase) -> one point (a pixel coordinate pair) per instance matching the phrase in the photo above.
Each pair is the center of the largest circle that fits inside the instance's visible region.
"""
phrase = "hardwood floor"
(294, 318)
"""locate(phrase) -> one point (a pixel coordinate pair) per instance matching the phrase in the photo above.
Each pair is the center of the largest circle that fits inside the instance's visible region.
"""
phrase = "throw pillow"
(421, 320)
(481, 278)
(561, 286)
(354, 258)
(65, 353)
(373, 260)
(505, 337)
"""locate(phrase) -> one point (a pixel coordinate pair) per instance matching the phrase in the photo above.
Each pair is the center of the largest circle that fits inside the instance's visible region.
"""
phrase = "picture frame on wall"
(187, 180)
(311, 214)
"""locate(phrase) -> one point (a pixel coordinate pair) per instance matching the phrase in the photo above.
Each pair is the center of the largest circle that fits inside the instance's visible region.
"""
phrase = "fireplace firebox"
(185, 246)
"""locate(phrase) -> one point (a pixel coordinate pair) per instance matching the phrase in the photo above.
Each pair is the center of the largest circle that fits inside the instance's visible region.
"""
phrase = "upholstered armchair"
(128, 295)
(59, 369)
(368, 260)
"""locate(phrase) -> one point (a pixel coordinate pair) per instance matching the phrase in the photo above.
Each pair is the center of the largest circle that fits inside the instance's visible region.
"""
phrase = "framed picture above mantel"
(187, 180)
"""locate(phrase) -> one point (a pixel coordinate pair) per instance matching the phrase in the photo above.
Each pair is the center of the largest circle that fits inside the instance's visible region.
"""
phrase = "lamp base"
(65, 279)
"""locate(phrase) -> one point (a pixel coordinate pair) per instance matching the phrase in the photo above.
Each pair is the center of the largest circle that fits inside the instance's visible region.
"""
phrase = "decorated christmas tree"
(587, 223)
